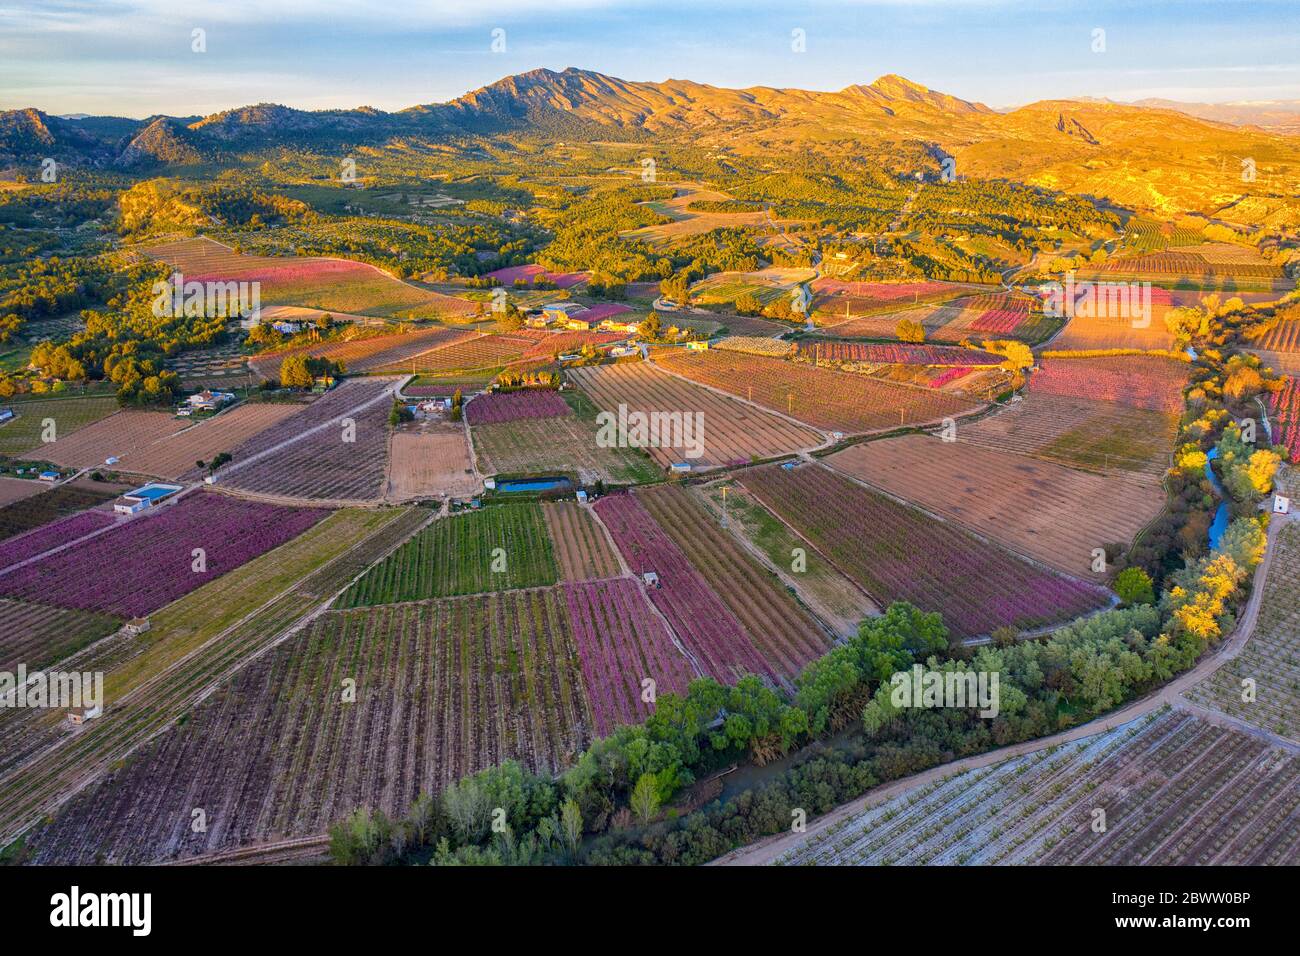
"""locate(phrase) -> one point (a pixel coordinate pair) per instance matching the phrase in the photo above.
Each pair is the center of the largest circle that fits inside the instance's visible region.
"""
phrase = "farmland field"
(36, 510)
(195, 642)
(582, 550)
(1176, 791)
(714, 639)
(621, 642)
(839, 602)
(498, 548)
(782, 631)
(531, 273)
(896, 553)
(326, 410)
(1271, 657)
(24, 432)
(1098, 436)
(444, 689)
(345, 462)
(368, 353)
(329, 284)
(1139, 381)
(176, 455)
(1284, 416)
(494, 407)
(821, 397)
(429, 460)
(820, 353)
(1209, 266)
(485, 351)
(975, 317)
(755, 345)
(565, 444)
(28, 545)
(1054, 514)
(147, 562)
(838, 298)
(118, 436)
(38, 636)
(16, 489)
(731, 431)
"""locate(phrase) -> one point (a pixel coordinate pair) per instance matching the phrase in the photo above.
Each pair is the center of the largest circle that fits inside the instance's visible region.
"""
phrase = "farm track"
(48, 779)
(769, 849)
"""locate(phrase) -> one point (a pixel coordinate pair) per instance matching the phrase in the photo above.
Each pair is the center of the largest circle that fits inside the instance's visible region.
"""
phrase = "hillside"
(1142, 156)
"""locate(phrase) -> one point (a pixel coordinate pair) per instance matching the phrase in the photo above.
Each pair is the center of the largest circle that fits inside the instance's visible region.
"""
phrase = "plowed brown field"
(730, 431)
(1044, 510)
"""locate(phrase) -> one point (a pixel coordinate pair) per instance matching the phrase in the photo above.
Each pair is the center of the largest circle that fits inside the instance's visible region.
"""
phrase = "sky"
(143, 57)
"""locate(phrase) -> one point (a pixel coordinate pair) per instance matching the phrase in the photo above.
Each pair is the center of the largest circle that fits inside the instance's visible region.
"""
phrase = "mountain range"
(1147, 155)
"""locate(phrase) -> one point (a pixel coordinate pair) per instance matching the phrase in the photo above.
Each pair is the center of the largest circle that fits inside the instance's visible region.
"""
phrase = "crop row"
(512, 406)
(496, 549)
(708, 628)
(622, 644)
(898, 353)
(154, 558)
(896, 552)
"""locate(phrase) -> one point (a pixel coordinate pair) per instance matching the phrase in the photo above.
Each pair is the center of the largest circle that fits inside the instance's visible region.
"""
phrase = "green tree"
(1134, 586)
(645, 798)
(294, 372)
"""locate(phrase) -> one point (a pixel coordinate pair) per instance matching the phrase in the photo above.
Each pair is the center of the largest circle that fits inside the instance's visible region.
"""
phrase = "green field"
(69, 414)
(499, 548)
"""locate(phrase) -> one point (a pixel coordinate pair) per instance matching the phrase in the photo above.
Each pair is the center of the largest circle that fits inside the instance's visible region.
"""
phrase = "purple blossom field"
(621, 642)
(56, 533)
(513, 406)
(147, 562)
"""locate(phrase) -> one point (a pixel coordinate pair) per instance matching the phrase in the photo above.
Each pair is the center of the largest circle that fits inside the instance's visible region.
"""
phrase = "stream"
(1220, 523)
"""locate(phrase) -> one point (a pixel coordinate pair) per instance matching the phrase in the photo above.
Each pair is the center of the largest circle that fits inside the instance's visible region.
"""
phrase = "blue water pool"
(534, 484)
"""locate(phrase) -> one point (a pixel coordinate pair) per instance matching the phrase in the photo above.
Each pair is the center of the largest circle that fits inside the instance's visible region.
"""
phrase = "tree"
(1134, 586)
(650, 327)
(294, 372)
(571, 824)
(645, 798)
(909, 331)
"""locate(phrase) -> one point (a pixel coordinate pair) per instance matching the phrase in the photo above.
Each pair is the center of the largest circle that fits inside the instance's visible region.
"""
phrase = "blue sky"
(134, 57)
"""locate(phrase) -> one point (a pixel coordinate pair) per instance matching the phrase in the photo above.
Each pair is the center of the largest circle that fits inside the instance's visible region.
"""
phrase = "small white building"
(1281, 505)
(651, 579)
(680, 467)
(6, 414)
(209, 401)
(78, 716)
(143, 497)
